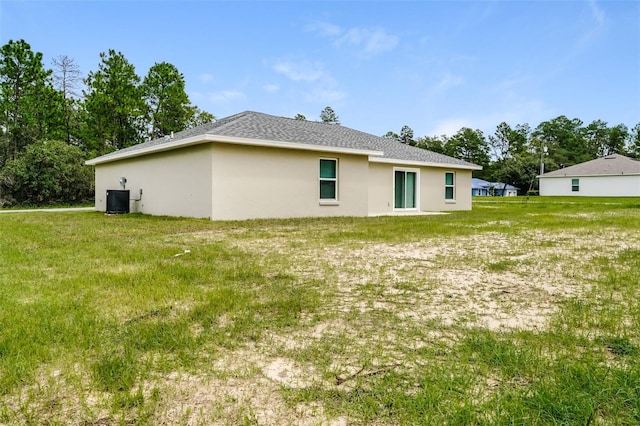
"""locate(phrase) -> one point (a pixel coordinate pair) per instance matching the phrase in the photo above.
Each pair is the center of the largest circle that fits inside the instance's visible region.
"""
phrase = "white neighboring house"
(611, 176)
(254, 165)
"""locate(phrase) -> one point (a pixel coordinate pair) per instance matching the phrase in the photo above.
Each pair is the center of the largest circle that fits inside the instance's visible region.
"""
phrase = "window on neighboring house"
(575, 185)
(405, 183)
(329, 179)
(449, 186)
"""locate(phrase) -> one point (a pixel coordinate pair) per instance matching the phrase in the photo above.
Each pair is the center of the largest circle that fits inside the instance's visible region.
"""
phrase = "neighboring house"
(611, 176)
(254, 165)
(504, 190)
(479, 187)
(483, 188)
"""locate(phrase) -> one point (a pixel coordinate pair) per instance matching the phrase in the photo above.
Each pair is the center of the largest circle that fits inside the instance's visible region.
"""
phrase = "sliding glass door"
(405, 185)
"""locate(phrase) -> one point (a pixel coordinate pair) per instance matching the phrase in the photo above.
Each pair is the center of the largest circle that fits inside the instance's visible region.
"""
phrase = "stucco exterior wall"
(257, 182)
(592, 186)
(431, 186)
(173, 183)
(226, 181)
(380, 188)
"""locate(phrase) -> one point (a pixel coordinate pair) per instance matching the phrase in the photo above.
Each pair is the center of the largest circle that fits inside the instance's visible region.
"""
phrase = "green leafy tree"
(520, 171)
(565, 141)
(618, 136)
(602, 140)
(469, 145)
(633, 148)
(47, 172)
(115, 107)
(199, 117)
(164, 92)
(392, 136)
(406, 135)
(596, 136)
(513, 163)
(27, 98)
(433, 143)
(49, 113)
(300, 117)
(507, 142)
(329, 116)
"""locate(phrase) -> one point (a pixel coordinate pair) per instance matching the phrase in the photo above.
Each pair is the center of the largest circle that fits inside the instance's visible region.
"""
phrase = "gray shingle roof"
(614, 164)
(254, 125)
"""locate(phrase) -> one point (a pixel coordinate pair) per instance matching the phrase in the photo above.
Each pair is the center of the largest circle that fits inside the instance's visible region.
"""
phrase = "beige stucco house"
(611, 176)
(254, 165)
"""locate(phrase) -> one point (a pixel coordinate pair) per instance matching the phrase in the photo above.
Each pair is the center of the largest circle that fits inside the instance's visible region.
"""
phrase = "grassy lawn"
(518, 312)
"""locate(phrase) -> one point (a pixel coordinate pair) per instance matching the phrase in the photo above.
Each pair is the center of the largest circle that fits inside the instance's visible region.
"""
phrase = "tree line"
(514, 155)
(53, 119)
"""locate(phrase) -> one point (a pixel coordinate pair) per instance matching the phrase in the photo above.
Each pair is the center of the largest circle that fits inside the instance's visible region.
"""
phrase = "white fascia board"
(587, 176)
(166, 146)
(423, 164)
(212, 138)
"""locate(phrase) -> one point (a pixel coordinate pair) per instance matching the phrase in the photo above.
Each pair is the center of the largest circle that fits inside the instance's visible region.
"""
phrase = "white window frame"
(417, 189)
(328, 201)
(575, 187)
(450, 200)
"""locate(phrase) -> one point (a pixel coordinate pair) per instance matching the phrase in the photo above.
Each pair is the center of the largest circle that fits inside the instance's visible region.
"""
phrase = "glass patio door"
(405, 189)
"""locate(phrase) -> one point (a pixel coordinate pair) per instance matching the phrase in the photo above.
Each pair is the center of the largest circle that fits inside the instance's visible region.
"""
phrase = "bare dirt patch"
(495, 281)
(244, 388)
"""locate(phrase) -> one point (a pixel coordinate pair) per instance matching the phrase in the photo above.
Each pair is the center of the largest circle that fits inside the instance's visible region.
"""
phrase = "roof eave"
(213, 138)
(166, 146)
(424, 163)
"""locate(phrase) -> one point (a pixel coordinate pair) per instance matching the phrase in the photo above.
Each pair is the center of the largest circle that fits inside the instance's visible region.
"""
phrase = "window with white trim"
(449, 186)
(328, 179)
(575, 185)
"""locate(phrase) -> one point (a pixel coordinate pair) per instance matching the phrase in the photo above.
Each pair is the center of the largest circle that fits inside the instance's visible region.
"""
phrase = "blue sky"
(433, 65)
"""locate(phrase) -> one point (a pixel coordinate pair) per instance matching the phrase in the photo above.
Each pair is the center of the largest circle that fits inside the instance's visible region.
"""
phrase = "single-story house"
(483, 188)
(254, 165)
(611, 176)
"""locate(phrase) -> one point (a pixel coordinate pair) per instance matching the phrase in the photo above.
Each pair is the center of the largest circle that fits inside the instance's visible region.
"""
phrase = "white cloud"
(314, 83)
(225, 95)
(598, 14)
(325, 95)
(300, 70)
(448, 81)
(206, 78)
(592, 30)
(515, 101)
(512, 110)
(271, 88)
(367, 41)
(450, 126)
(325, 29)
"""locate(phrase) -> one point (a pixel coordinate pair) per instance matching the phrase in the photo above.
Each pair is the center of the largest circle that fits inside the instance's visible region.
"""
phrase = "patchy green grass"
(522, 311)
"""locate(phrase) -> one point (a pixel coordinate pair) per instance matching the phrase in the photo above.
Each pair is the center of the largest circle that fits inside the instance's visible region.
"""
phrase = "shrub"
(47, 172)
